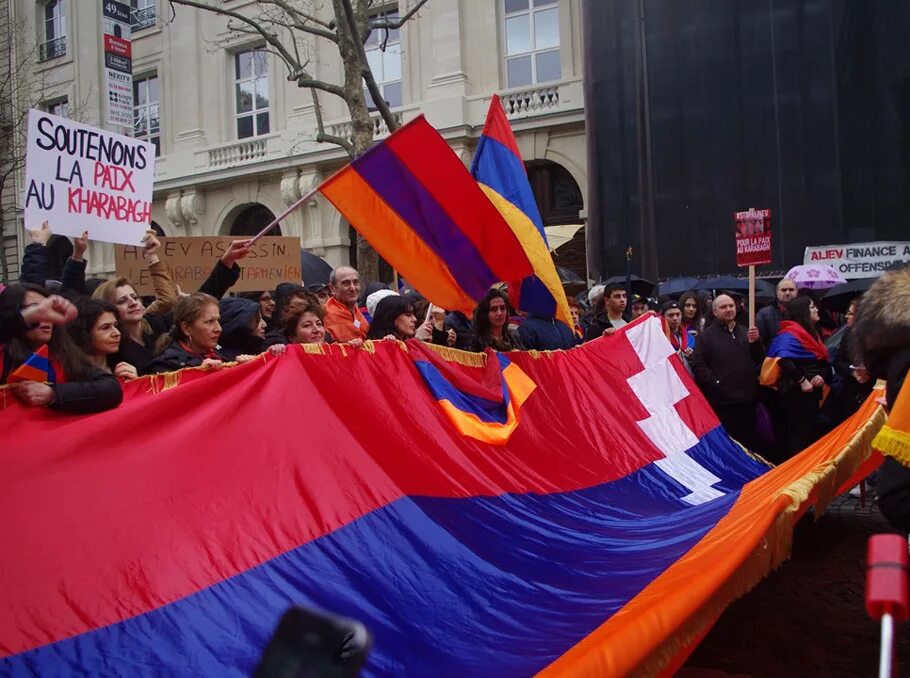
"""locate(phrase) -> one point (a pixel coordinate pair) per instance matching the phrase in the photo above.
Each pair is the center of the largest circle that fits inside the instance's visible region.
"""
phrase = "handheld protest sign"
(190, 260)
(753, 246)
(79, 178)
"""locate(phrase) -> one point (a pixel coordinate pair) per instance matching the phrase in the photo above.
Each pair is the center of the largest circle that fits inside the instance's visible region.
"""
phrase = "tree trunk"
(362, 123)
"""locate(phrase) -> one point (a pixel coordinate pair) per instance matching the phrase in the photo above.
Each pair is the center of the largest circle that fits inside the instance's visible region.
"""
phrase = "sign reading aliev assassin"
(753, 237)
(81, 178)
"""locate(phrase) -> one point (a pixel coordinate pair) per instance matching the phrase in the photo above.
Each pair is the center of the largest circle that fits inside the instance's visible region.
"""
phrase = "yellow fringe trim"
(895, 443)
(317, 349)
(455, 355)
(775, 547)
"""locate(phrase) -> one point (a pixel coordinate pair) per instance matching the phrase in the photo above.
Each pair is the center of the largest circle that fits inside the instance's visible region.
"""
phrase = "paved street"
(808, 618)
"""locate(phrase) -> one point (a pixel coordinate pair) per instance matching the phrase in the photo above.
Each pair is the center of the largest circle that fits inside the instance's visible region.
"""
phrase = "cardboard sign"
(860, 260)
(273, 260)
(82, 178)
(753, 237)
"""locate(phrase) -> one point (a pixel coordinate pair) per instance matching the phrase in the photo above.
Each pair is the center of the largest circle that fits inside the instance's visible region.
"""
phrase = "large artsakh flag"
(608, 531)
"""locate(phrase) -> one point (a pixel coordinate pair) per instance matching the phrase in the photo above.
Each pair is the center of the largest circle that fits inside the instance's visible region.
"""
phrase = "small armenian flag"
(37, 367)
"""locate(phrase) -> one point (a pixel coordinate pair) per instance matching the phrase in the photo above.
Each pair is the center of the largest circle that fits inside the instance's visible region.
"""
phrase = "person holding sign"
(71, 382)
(141, 326)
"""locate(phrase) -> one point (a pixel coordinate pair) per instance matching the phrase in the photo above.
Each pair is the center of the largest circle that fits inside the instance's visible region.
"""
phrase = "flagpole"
(309, 195)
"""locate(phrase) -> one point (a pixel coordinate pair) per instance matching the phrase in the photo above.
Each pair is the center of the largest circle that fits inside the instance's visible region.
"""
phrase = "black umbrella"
(675, 286)
(314, 269)
(571, 281)
(640, 286)
(838, 298)
(727, 282)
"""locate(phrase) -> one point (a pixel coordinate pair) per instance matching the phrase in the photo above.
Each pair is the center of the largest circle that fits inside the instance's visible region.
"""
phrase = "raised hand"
(42, 235)
(54, 310)
(80, 245)
(237, 251)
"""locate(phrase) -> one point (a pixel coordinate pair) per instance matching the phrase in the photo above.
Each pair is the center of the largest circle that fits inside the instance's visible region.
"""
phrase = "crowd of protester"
(100, 333)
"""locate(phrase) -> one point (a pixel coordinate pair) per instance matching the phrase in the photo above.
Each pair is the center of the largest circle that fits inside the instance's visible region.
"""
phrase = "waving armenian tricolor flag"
(419, 207)
(501, 174)
(793, 342)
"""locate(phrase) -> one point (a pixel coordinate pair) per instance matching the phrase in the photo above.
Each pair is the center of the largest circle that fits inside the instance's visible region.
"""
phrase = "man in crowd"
(725, 363)
(639, 306)
(768, 319)
(343, 318)
(611, 318)
(672, 314)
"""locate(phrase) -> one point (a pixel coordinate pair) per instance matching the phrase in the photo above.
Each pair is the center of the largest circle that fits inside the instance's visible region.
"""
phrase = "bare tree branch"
(301, 20)
(270, 38)
(366, 72)
(321, 135)
(399, 22)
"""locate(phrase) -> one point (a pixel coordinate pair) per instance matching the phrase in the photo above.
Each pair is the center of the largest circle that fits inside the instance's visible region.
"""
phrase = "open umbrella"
(675, 286)
(640, 286)
(571, 281)
(815, 276)
(838, 298)
(763, 289)
(314, 269)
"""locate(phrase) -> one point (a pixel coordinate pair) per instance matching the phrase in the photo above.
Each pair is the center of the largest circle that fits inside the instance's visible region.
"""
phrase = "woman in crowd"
(804, 372)
(74, 384)
(691, 317)
(490, 329)
(140, 326)
(394, 319)
(193, 340)
(266, 306)
(95, 331)
(304, 326)
(242, 328)
(855, 382)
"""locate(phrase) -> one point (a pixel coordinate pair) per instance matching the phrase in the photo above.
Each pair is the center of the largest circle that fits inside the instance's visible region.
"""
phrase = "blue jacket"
(542, 333)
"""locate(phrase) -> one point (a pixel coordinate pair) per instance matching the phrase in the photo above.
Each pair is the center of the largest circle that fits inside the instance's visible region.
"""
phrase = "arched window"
(252, 219)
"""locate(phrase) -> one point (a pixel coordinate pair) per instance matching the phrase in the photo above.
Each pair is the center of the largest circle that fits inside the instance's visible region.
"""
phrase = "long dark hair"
(387, 310)
(683, 298)
(80, 330)
(188, 309)
(482, 312)
(798, 311)
(61, 347)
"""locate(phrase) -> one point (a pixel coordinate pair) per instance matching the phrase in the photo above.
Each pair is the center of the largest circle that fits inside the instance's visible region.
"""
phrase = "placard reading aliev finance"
(82, 178)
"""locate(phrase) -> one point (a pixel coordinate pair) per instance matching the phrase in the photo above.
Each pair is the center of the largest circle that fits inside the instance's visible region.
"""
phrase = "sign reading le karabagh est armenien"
(82, 178)
(273, 260)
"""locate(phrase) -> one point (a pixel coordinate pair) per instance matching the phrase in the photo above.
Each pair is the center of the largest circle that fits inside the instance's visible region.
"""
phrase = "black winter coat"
(546, 334)
(175, 357)
(726, 365)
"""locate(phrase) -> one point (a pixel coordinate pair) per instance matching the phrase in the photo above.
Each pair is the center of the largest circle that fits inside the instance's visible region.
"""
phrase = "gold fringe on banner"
(775, 548)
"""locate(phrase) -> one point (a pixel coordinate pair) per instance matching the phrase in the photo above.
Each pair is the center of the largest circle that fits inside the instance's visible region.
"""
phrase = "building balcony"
(52, 49)
(237, 153)
(345, 128)
(544, 99)
(142, 18)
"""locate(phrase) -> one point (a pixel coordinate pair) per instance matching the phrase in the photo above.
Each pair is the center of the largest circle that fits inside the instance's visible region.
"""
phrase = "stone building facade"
(236, 139)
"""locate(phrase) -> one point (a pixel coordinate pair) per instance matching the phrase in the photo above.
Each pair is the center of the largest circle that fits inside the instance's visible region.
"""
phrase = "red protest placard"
(753, 237)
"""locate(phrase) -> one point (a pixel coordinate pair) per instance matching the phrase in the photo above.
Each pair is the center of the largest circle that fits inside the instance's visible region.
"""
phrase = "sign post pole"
(752, 296)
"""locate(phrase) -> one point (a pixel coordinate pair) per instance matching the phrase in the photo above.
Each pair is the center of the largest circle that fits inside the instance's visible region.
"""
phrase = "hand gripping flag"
(166, 537)
(419, 207)
(793, 342)
(37, 367)
(500, 172)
